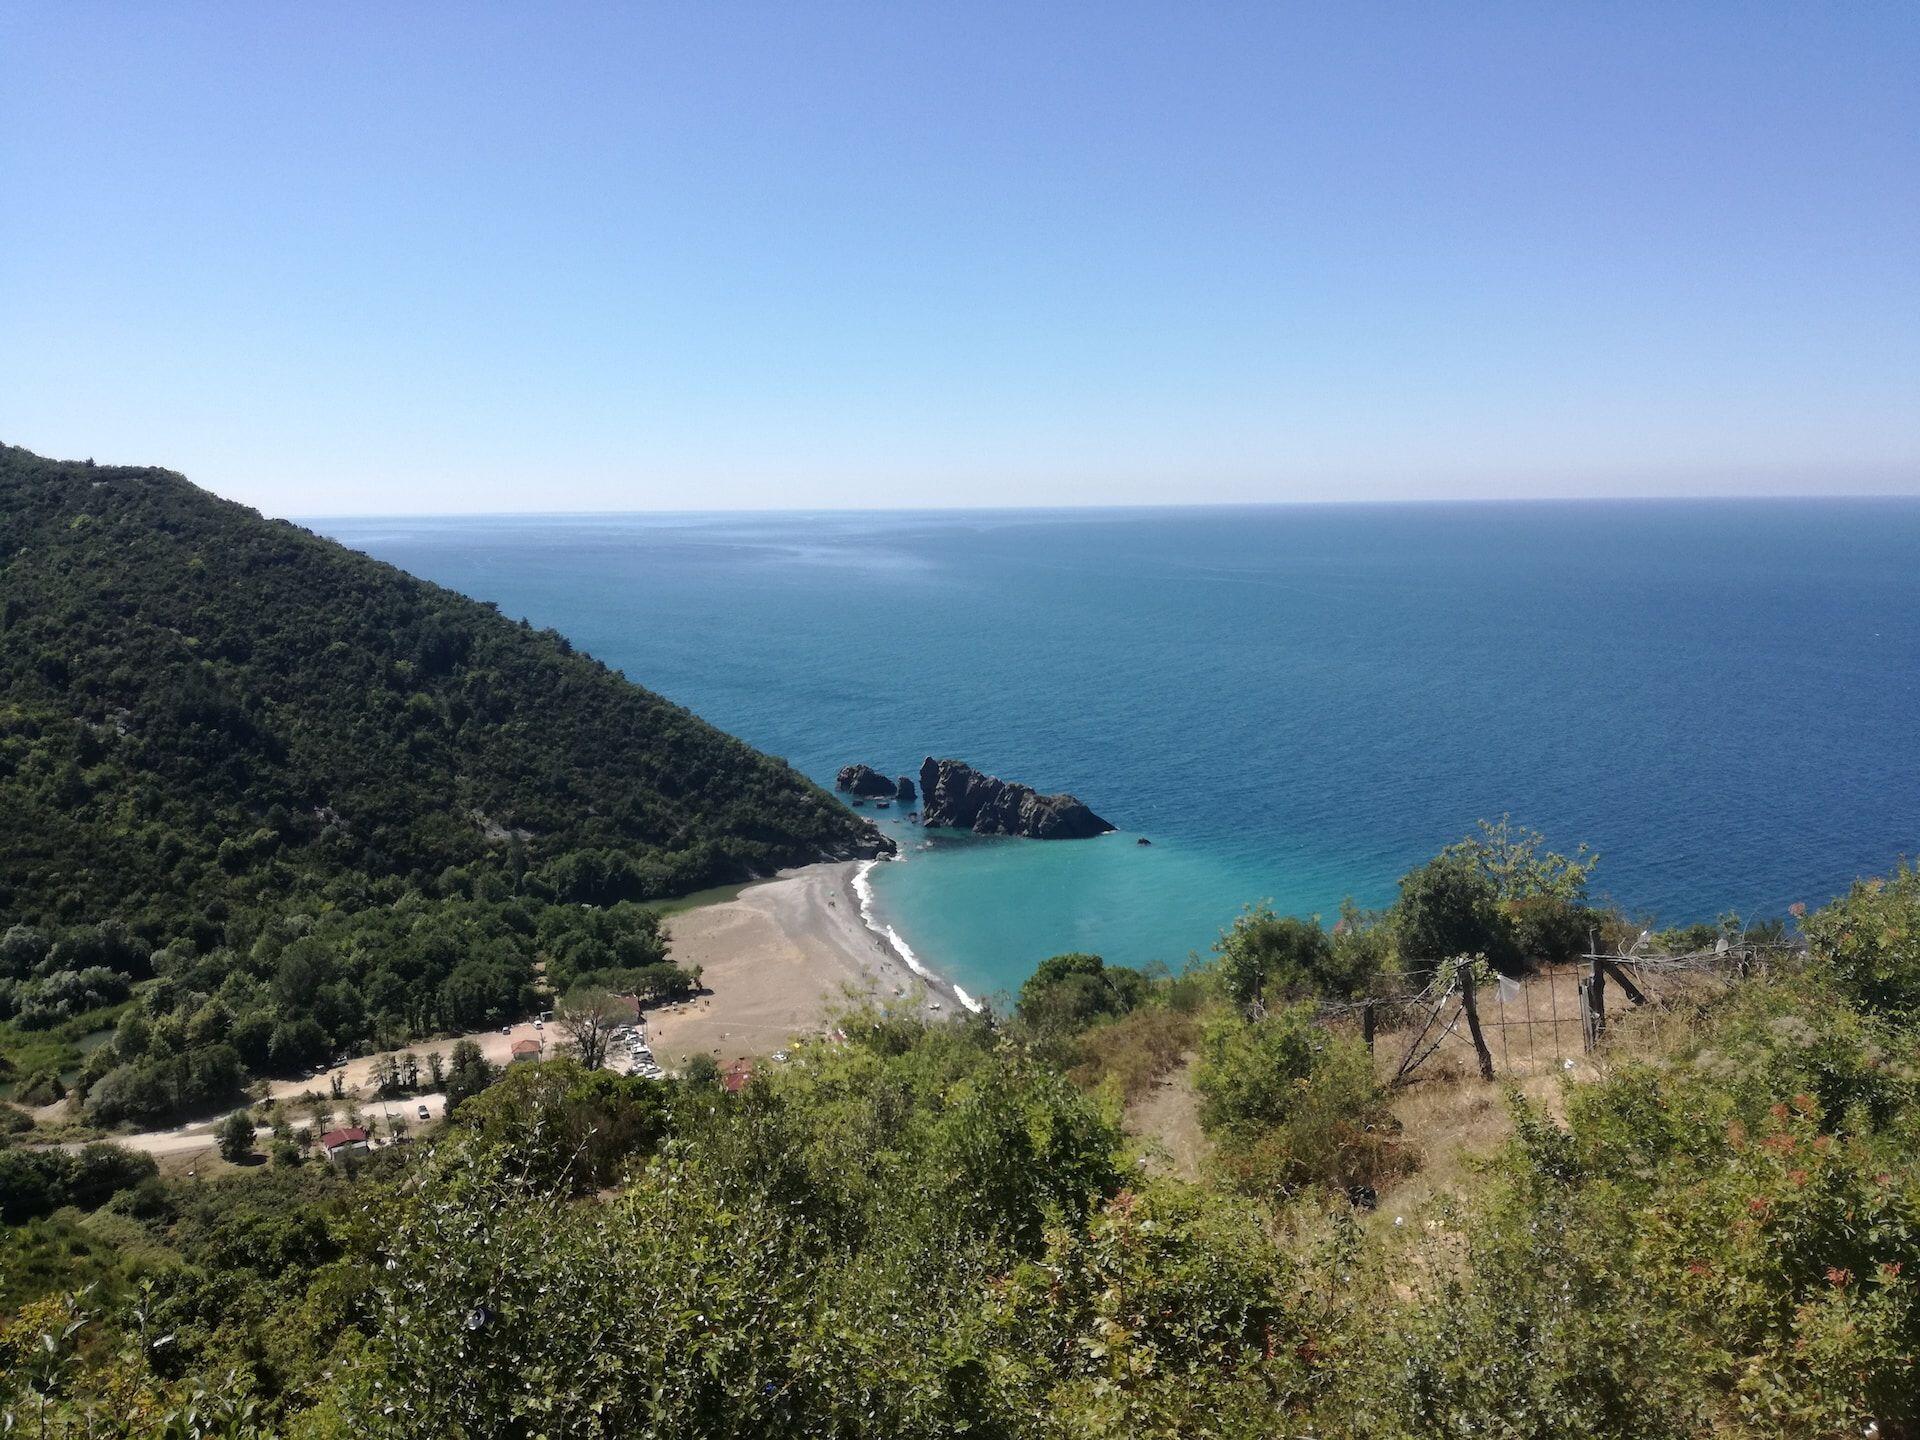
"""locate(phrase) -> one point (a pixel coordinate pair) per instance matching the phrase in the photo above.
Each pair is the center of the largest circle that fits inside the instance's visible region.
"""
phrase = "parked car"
(424, 1113)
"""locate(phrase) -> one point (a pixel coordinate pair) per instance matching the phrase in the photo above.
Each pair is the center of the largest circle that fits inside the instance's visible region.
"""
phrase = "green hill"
(216, 727)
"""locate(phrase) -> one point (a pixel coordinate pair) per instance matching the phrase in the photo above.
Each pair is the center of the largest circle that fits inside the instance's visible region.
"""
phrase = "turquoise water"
(1294, 703)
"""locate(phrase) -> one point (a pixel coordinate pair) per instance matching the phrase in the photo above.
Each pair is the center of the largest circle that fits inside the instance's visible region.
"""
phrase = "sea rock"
(1143, 841)
(957, 796)
(863, 780)
(905, 789)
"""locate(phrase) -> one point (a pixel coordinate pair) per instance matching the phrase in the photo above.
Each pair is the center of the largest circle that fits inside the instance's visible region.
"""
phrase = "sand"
(779, 961)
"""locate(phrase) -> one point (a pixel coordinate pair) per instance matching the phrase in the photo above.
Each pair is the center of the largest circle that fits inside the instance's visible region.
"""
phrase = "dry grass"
(1166, 1120)
(1450, 1116)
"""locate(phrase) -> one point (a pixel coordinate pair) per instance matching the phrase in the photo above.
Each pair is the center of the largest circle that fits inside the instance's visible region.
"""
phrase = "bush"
(1280, 958)
(1291, 1104)
(1449, 908)
(1869, 942)
(1067, 993)
(39, 1087)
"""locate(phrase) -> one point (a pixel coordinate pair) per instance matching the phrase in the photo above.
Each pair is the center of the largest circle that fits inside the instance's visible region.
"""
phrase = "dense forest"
(263, 799)
(961, 1230)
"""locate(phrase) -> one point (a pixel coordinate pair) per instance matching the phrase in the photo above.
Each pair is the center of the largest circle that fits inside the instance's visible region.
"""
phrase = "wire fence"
(1516, 1026)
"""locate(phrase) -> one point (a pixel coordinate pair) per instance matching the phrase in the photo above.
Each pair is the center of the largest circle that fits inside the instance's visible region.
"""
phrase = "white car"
(424, 1113)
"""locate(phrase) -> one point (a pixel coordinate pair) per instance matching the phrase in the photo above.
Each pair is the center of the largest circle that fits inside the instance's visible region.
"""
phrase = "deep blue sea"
(1294, 703)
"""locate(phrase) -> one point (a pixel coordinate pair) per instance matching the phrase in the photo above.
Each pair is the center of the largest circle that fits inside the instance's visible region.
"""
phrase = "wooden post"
(1366, 1025)
(1624, 981)
(1582, 985)
(1597, 998)
(1468, 1004)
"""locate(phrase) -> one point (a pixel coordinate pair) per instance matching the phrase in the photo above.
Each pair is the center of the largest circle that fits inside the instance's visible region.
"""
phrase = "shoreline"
(781, 958)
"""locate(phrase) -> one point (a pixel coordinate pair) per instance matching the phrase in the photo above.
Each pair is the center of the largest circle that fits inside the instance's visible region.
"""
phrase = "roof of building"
(734, 1078)
(526, 1047)
(350, 1135)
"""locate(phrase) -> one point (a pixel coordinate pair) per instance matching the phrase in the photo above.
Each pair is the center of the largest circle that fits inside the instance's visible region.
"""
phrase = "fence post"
(1468, 1004)
(1597, 998)
(1366, 1025)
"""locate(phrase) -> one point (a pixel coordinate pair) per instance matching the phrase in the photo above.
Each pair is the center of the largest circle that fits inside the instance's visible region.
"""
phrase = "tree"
(1447, 908)
(1515, 864)
(1069, 992)
(235, 1137)
(589, 1017)
(468, 1073)
(1289, 958)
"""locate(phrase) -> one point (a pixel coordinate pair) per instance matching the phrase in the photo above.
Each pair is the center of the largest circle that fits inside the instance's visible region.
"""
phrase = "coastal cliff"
(957, 796)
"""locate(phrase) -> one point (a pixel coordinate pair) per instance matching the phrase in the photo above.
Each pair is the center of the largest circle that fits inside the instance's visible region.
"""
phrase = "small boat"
(858, 804)
(883, 804)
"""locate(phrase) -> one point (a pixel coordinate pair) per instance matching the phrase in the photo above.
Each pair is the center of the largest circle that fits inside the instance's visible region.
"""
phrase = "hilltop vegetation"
(934, 1232)
(303, 802)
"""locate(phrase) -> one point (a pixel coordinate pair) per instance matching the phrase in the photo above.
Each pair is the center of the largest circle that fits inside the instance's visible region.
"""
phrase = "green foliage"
(1066, 993)
(1447, 908)
(468, 1073)
(235, 1137)
(38, 1182)
(565, 1128)
(345, 806)
(1869, 940)
(1292, 1104)
(1515, 862)
(1279, 958)
(1129, 1054)
(812, 1255)
(925, 1232)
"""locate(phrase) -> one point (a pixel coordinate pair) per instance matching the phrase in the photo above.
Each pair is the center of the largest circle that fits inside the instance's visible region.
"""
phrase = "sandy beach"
(777, 962)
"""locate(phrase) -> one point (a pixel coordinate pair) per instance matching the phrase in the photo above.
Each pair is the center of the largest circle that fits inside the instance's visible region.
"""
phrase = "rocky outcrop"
(868, 844)
(863, 780)
(904, 787)
(956, 796)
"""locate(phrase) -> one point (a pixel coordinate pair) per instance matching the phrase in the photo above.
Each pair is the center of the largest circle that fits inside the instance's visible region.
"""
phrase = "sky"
(372, 258)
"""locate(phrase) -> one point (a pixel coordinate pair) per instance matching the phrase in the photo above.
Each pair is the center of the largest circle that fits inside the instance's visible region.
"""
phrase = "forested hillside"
(222, 736)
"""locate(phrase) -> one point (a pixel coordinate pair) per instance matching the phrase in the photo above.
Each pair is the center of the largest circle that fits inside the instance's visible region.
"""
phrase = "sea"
(1294, 704)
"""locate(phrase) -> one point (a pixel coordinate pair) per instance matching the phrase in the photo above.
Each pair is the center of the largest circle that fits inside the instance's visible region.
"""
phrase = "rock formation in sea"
(957, 796)
(905, 788)
(863, 780)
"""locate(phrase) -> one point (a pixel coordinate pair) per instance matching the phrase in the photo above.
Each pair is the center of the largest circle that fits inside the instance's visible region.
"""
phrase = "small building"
(525, 1050)
(734, 1078)
(338, 1145)
(627, 1007)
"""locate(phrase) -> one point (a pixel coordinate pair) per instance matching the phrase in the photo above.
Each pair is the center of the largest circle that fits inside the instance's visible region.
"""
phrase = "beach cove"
(782, 959)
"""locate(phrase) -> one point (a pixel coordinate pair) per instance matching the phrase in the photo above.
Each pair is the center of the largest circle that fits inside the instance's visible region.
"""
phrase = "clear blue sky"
(357, 258)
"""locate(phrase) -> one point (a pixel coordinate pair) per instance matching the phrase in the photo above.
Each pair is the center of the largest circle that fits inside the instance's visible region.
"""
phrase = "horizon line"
(1369, 502)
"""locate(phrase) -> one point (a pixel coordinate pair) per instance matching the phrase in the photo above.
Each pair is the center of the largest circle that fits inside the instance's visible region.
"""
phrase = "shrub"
(1282, 958)
(1067, 993)
(1291, 1104)
(1869, 942)
(1448, 908)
